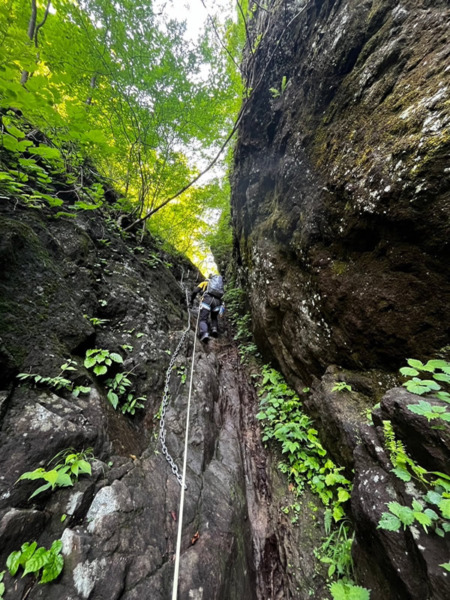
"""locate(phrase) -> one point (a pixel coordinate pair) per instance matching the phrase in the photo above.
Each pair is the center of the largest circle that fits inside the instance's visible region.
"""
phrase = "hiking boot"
(214, 332)
(204, 338)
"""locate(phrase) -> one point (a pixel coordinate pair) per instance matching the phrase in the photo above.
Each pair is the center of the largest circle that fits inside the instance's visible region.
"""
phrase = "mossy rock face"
(341, 187)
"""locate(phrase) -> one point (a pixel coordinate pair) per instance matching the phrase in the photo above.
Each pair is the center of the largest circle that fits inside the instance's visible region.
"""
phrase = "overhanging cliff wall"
(341, 214)
(341, 194)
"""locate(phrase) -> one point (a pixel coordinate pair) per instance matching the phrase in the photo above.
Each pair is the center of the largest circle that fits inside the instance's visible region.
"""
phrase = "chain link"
(165, 401)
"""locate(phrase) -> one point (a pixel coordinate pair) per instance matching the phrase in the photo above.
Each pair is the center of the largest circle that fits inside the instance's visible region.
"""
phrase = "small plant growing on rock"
(424, 507)
(118, 387)
(437, 386)
(2, 585)
(99, 360)
(341, 590)
(63, 474)
(96, 322)
(59, 382)
(49, 563)
(277, 93)
(341, 386)
(336, 550)
(439, 370)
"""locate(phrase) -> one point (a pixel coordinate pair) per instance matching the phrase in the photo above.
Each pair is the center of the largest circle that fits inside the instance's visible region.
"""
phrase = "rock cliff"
(69, 286)
(341, 207)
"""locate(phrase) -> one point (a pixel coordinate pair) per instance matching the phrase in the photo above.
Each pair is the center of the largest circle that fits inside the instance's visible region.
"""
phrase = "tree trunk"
(30, 33)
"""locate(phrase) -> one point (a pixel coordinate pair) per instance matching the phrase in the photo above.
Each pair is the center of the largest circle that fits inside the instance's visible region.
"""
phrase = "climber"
(211, 305)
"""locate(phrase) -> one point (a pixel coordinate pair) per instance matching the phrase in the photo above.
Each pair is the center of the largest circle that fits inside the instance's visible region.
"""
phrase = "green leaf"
(13, 130)
(9, 142)
(402, 473)
(53, 567)
(46, 152)
(56, 547)
(389, 522)
(100, 369)
(27, 551)
(116, 357)
(36, 474)
(84, 467)
(431, 384)
(442, 377)
(445, 566)
(13, 562)
(432, 514)
(433, 497)
(416, 387)
(347, 591)
(89, 362)
(36, 562)
(408, 371)
(338, 513)
(416, 364)
(404, 513)
(437, 364)
(51, 476)
(63, 479)
(444, 507)
(24, 145)
(423, 519)
(40, 489)
(113, 398)
(343, 495)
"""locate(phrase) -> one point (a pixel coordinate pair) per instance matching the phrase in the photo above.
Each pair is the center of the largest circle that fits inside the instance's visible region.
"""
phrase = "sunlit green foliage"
(116, 86)
(69, 465)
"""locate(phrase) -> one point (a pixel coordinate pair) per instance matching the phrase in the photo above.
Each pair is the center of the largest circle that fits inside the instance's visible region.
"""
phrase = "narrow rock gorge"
(341, 206)
(341, 221)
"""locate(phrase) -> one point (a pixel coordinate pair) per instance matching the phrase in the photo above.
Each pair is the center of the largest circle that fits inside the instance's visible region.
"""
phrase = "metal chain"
(165, 401)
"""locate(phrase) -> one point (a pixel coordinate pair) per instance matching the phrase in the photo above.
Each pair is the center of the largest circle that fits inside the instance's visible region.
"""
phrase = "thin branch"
(30, 32)
(220, 39)
(41, 24)
(230, 135)
(247, 32)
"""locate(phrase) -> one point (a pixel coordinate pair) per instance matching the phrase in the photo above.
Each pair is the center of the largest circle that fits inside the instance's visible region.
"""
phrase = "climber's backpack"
(215, 286)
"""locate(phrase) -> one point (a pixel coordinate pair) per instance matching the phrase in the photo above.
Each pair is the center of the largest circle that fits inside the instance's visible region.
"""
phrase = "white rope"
(183, 480)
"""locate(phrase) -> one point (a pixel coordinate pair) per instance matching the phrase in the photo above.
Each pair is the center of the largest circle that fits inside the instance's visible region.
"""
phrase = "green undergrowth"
(100, 361)
(236, 301)
(429, 508)
(306, 463)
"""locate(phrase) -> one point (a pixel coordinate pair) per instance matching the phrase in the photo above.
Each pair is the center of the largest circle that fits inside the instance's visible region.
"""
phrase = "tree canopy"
(117, 84)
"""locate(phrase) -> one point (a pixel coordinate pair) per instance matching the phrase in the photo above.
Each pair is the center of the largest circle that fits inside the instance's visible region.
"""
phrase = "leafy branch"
(63, 474)
(33, 560)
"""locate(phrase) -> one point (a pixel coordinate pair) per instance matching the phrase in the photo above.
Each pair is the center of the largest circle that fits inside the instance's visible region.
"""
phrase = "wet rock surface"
(119, 526)
(340, 204)
(341, 183)
(407, 564)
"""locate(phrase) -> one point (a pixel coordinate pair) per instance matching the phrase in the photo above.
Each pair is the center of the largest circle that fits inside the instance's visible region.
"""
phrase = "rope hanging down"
(162, 436)
(183, 479)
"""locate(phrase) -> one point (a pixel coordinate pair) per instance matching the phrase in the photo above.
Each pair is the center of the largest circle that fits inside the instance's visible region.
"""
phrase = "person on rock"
(211, 305)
